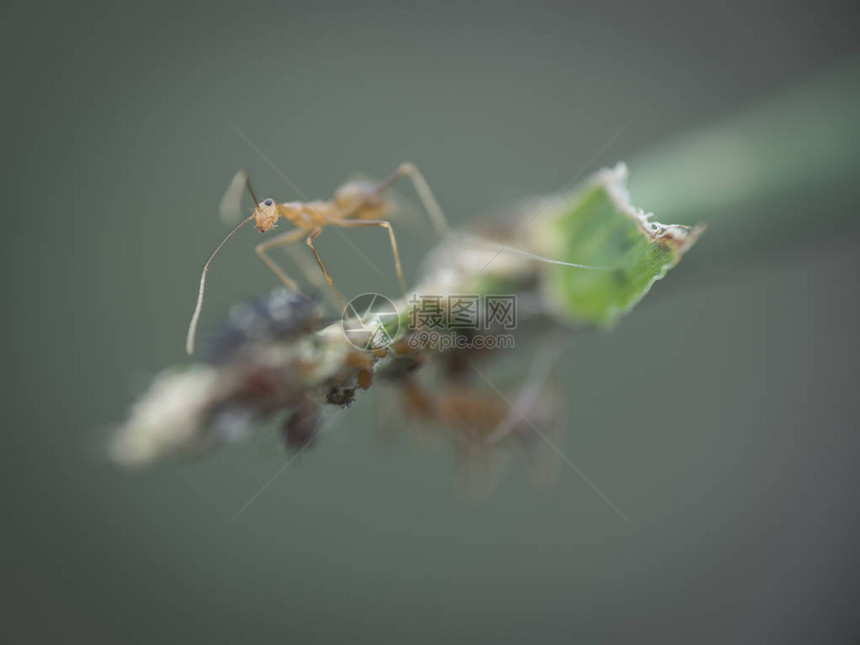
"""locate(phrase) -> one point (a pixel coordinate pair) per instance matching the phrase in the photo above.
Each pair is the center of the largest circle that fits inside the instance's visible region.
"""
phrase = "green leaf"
(598, 227)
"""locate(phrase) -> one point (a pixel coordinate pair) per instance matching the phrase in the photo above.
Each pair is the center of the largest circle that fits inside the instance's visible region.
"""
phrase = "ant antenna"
(479, 241)
(250, 190)
(192, 327)
(240, 178)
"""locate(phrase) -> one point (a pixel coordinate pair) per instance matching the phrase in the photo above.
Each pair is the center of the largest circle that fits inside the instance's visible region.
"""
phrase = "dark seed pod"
(280, 316)
(340, 395)
(301, 426)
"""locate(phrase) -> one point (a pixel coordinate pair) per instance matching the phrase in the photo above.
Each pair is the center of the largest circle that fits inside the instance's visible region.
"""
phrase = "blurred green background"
(720, 416)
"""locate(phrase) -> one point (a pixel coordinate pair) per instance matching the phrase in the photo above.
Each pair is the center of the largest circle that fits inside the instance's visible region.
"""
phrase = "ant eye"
(268, 202)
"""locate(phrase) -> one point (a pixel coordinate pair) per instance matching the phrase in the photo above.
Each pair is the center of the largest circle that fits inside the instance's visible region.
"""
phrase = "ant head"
(265, 214)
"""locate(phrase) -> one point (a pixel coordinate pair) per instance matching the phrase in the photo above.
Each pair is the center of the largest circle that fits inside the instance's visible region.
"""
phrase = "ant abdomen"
(361, 199)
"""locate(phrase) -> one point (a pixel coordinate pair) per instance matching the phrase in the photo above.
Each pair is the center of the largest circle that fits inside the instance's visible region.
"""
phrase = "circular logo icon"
(370, 321)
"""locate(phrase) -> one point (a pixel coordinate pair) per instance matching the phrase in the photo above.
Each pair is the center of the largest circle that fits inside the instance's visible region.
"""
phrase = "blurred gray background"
(720, 416)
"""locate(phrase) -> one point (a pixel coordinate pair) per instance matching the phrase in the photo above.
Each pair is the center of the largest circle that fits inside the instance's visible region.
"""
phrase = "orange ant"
(355, 204)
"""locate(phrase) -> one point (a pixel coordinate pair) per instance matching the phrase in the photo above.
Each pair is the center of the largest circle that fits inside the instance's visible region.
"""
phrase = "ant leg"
(286, 240)
(290, 237)
(310, 272)
(347, 223)
(441, 223)
(540, 368)
(426, 196)
(231, 203)
(434, 212)
(310, 242)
